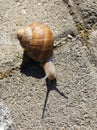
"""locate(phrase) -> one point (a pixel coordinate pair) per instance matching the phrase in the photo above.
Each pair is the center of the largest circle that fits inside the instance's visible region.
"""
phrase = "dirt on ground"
(70, 102)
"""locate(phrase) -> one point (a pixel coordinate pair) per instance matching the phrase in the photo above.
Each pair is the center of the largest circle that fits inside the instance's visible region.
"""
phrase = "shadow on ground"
(51, 85)
(30, 67)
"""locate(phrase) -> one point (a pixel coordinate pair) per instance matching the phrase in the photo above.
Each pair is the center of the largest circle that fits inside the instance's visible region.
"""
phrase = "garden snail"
(37, 39)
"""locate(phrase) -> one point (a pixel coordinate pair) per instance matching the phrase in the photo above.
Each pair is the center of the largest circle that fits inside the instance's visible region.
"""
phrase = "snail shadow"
(51, 85)
(30, 67)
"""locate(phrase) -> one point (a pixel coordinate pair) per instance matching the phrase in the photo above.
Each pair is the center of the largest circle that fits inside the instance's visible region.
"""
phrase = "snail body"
(37, 39)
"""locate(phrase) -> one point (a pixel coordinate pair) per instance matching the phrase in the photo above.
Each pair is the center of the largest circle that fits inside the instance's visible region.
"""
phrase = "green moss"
(83, 32)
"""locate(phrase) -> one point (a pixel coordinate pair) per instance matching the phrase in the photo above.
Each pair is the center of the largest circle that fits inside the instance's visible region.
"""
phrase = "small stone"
(70, 36)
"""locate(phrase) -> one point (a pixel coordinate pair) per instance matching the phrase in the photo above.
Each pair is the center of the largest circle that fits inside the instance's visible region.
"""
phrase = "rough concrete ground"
(24, 92)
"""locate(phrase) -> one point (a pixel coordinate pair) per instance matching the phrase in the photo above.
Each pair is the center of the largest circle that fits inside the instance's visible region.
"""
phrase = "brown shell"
(39, 45)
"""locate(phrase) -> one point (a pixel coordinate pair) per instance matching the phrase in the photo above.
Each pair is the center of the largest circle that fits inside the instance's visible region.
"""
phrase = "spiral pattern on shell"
(37, 39)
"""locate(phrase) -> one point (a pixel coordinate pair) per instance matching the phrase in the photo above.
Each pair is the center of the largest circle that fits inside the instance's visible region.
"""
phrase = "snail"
(37, 40)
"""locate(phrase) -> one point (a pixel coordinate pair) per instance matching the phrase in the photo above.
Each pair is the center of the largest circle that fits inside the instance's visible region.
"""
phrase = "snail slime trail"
(38, 41)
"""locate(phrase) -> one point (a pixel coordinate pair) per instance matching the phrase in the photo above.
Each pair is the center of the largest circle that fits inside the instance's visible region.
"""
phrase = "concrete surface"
(72, 101)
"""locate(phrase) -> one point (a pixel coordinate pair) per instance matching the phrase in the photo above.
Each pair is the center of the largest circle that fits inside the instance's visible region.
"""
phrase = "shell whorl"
(37, 39)
(20, 33)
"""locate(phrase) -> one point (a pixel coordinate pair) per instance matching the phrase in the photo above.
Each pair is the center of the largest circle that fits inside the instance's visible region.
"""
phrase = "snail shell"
(37, 39)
